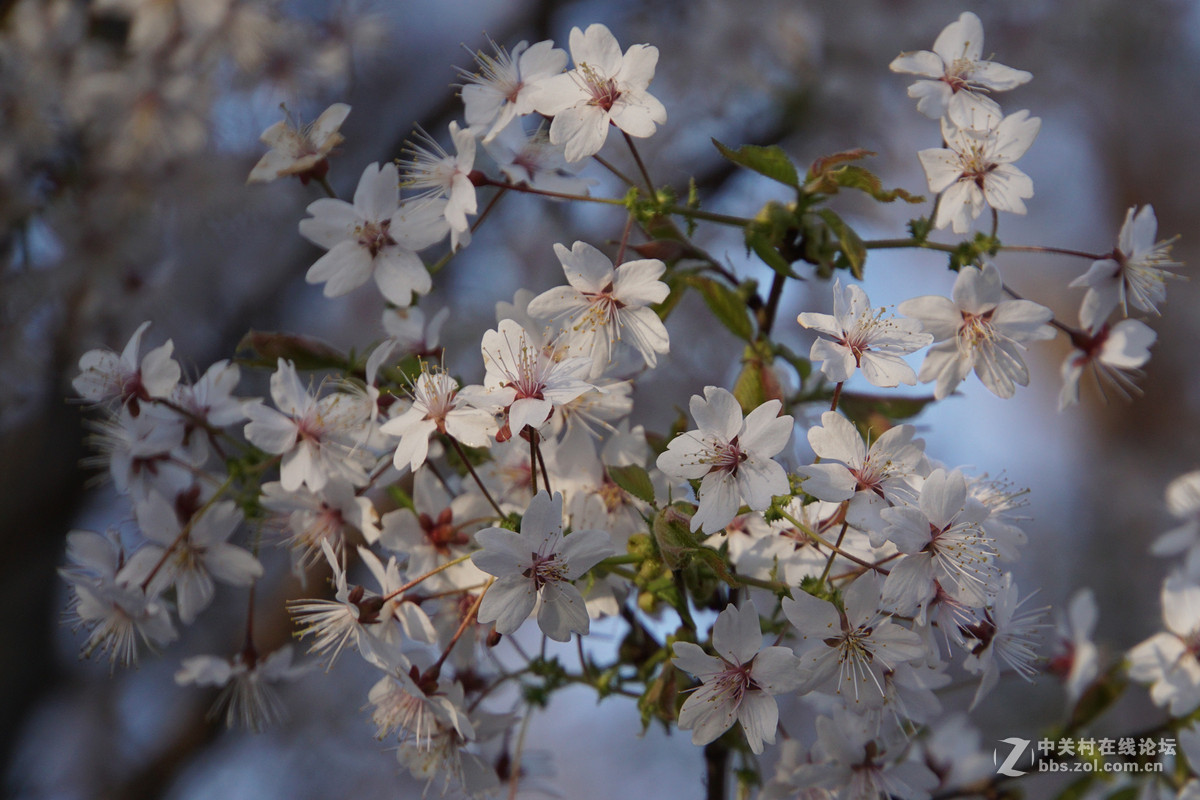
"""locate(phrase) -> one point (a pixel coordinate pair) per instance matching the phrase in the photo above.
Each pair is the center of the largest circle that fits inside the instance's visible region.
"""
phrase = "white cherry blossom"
(944, 544)
(504, 87)
(870, 478)
(528, 380)
(374, 237)
(435, 174)
(538, 566)
(1114, 352)
(732, 457)
(105, 376)
(979, 329)
(603, 305)
(975, 168)
(531, 159)
(604, 87)
(860, 337)
(1168, 660)
(298, 150)
(1005, 635)
(1078, 659)
(1183, 501)
(737, 686)
(1136, 272)
(192, 562)
(318, 437)
(439, 406)
(845, 653)
(956, 75)
(247, 696)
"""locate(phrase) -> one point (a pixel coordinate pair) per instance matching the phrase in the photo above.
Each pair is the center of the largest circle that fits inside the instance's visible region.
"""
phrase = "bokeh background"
(127, 128)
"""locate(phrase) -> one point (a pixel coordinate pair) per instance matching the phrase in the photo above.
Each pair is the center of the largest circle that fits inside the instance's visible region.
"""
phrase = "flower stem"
(327, 186)
(625, 179)
(425, 576)
(472, 612)
(837, 395)
(800, 526)
(641, 164)
(185, 531)
(462, 456)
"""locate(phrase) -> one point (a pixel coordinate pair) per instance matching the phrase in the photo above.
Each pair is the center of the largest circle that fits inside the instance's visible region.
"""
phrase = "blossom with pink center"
(538, 566)
(732, 457)
(375, 237)
(526, 379)
(955, 75)
(975, 167)
(530, 159)
(300, 150)
(603, 305)
(105, 376)
(871, 479)
(1114, 352)
(1170, 661)
(979, 329)
(605, 88)
(439, 406)
(860, 337)
(1135, 273)
(436, 173)
(504, 87)
(740, 684)
(317, 437)
(845, 651)
(944, 545)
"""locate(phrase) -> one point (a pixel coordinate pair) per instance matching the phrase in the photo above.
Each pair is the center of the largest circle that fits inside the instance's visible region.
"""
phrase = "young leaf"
(770, 161)
(634, 480)
(725, 305)
(852, 247)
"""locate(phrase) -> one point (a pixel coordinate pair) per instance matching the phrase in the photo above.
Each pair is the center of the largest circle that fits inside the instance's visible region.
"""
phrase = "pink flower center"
(603, 90)
(545, 569)
(374, 236)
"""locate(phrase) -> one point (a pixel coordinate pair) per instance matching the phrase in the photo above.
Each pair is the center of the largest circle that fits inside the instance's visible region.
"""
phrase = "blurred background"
(127, 129)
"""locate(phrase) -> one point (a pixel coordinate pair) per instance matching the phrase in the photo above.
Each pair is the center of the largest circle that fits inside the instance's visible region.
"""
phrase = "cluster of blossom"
(528, 494)
(974, 169)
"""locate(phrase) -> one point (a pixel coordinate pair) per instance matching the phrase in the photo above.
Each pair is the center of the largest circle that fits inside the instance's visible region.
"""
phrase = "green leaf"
(725, 304)
(861, 406)
(757, 382)
(634, 480)
(265, 348)
(769, 161)
(772, 235)
(853, 176)
(851, 246)
(763, 246)
(829, 174)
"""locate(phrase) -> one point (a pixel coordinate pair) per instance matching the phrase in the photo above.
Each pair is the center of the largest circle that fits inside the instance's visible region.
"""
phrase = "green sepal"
(674, 536)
